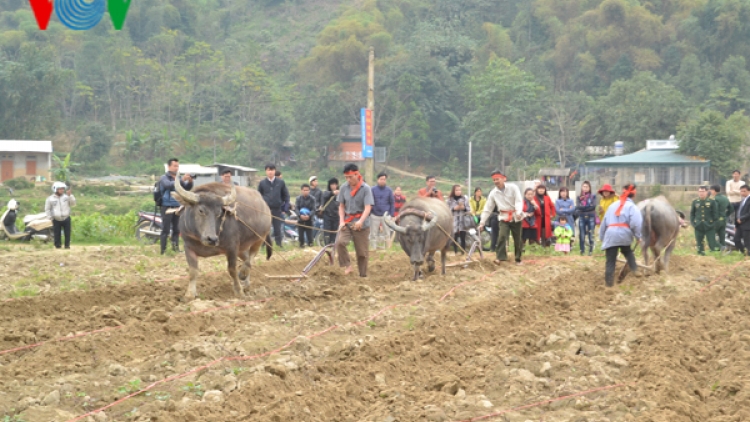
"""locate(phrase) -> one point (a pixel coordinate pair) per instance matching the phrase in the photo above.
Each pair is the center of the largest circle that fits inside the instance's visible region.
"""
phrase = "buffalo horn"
(231, 198)
(427, 225)
(190, 197)
(389, 222)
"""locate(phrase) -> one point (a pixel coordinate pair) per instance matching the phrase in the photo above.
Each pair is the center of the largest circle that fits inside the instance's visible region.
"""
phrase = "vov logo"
(80, 15)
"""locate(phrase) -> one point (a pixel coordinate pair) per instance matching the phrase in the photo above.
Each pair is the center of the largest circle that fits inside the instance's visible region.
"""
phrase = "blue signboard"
(367, 134)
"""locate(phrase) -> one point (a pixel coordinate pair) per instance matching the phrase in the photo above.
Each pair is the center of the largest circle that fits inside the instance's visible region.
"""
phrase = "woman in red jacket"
(547, 210)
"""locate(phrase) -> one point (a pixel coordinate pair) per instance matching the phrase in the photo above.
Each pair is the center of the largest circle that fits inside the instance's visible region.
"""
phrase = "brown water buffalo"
(418, 231)
(661, 225)
(223, 220)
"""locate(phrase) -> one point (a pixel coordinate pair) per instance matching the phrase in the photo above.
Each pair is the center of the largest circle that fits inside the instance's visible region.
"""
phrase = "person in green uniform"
(703, 216)
(724, 210)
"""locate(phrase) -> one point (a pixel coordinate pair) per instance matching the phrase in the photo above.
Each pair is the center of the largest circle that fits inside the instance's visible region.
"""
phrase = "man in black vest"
(274, 192)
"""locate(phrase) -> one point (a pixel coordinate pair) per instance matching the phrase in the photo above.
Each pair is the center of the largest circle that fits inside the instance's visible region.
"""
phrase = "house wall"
(42, 160)
(659, 175)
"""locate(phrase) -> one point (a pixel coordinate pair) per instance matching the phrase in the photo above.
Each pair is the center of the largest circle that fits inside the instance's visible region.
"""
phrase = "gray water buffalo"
(661, 226)
(418, 231)
(223, 220)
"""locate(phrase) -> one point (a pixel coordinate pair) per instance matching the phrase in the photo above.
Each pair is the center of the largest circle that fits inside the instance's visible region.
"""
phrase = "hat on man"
(312, 178)
(497, 172)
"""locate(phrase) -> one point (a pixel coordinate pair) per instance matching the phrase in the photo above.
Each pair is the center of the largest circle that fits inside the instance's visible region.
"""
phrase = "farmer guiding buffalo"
(355, 203)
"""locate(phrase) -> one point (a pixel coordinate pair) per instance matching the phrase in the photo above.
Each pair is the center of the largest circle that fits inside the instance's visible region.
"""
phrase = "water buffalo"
(661, 225)
(418, 234)
(215, 221)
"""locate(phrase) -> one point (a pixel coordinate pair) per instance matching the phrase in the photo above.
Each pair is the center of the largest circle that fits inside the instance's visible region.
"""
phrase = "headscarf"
(629, 189)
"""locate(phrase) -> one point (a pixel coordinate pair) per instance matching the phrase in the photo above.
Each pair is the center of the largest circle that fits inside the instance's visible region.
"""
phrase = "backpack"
(157, 194)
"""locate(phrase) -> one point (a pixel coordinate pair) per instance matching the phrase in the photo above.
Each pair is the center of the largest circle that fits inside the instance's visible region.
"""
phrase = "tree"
(28, 89)
(500, 98)
(560, 128)
(639, 109)
(94, 144)
(711, 136)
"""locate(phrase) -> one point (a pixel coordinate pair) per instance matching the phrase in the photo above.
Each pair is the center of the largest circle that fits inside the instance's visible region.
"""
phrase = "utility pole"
(370, 162)
(468, 187)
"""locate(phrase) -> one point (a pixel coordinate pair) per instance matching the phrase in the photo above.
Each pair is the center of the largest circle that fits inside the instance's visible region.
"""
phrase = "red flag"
(42, 11)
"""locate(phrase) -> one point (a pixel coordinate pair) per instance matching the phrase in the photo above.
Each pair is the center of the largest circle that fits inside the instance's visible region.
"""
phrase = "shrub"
(19, 183)
(103, 228)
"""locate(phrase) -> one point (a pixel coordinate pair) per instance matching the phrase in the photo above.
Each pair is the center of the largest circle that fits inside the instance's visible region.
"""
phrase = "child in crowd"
(564, 235)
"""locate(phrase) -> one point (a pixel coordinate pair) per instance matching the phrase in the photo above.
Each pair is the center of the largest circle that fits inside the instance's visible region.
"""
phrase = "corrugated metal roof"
(26, 146)
(554, 171)
(647, 158)
(234, 166)
(196, 169)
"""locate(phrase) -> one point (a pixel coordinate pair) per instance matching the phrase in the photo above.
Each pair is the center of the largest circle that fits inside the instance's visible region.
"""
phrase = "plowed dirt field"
(481, 340)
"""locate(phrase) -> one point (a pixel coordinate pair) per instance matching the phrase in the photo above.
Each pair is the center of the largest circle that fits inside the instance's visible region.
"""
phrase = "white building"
(29, 159)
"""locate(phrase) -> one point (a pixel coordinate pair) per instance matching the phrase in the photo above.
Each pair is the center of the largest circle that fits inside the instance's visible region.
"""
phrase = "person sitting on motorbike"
(57, 207)
(9, 222)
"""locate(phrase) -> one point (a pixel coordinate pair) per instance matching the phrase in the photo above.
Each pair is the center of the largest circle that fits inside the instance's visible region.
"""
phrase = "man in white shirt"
(509, 203)
(733, 192)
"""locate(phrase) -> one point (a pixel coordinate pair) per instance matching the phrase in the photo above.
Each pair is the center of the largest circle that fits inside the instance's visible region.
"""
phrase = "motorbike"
(148, 228)
(730, 238)
(36, 226)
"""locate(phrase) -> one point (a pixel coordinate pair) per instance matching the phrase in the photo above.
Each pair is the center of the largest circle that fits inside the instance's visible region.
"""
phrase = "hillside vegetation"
(529, 82)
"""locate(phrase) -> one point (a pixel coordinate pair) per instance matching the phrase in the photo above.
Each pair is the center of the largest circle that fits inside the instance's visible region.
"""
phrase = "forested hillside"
(530, 82)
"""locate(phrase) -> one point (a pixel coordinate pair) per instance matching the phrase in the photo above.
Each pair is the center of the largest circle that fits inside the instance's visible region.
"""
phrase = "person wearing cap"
(226, 177)
(430, 191)
(608, 198)
(507, 199)
(315, 191)
(620, 225)
(704, 213)
(57, 208)
(355, 203)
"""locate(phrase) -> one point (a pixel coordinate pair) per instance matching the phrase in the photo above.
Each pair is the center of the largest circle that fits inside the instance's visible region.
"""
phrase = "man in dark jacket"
(725, 210)
(171, 220)
(384, 203)
(274, 192)
(306, 206)
(742, 219)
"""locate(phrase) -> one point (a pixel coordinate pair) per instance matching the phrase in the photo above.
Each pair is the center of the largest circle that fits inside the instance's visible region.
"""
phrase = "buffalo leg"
(192, 260)
(668, 254)
(657, 260)
(645, 246)
(248, 256)
(431, 262)
(442, 259)
(416, 272)
(232, 268)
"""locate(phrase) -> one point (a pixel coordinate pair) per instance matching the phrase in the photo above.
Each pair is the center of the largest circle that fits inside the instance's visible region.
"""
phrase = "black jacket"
(743, 214)
(275, 194)
(306, 202)
(318, 195)
(332, 210)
